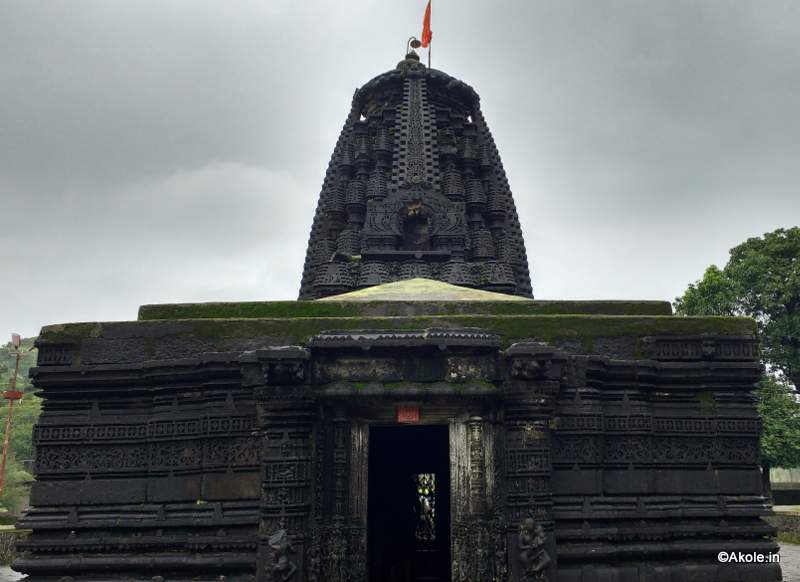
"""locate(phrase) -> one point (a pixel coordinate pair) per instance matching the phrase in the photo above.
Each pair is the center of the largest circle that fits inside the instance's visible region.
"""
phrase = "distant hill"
(27, 361)
(26, 413)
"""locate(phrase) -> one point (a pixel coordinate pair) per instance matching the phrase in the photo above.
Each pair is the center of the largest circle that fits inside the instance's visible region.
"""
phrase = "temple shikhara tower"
(415, 416)
(415, 188)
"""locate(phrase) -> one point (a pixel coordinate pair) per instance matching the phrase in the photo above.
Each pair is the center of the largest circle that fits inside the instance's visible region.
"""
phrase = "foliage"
(27, 410)
(16, 485)
(26, 413)
(780, 415)
(711, 295)
(760, 280)
(7, 362)
(787, 537)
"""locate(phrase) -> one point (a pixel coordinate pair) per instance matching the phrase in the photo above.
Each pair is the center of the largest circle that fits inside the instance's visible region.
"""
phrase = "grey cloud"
(173, 151)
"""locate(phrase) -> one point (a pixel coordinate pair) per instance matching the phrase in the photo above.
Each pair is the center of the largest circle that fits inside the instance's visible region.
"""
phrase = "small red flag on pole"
(427, 34)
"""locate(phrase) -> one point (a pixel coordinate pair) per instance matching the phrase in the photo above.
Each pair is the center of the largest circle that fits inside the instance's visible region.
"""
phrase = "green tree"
(762, 280)
(780, 416)
(27, 410)
(711, 295)
(8, 361)
(16, 485)
(26, 413)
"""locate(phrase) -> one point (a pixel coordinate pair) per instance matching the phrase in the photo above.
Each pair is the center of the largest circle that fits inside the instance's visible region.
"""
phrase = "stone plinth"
(233, 439)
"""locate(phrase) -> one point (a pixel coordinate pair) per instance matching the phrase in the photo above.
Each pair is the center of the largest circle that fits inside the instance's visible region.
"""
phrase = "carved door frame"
(474, 494)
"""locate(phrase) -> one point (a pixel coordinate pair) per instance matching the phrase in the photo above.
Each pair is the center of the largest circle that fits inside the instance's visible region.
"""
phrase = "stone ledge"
(619, 337)
(330, 308)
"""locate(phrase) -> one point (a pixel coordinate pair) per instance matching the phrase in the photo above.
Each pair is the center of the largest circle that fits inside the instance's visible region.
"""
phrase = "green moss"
(708, 403)
(149, 346)
(788, 537)
(247, 309)
(294, 309)
(70, 332)
(421, 289)
(511, 328)
(483, 384)
(469, 385)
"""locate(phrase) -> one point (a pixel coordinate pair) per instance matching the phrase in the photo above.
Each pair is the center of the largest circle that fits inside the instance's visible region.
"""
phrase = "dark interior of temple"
(409, 504)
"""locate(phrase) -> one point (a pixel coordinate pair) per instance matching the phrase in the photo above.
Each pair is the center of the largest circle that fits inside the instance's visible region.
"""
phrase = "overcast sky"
(174, 151)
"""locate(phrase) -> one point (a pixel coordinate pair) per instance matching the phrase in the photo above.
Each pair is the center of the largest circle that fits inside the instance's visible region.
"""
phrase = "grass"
(786, 537)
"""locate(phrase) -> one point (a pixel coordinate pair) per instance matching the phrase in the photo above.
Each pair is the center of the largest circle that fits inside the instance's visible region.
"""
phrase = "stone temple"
(416, 416)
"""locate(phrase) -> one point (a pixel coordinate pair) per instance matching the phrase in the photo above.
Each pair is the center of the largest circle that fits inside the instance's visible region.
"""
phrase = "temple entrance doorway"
(408, 515)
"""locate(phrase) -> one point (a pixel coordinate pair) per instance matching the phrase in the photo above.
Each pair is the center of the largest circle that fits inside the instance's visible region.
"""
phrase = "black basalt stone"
(424, 151)
(568, 441)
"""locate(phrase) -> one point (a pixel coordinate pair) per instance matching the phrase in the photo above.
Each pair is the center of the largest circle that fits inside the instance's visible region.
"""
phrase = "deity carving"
(525, 369)
(533, 558)
(280, 566)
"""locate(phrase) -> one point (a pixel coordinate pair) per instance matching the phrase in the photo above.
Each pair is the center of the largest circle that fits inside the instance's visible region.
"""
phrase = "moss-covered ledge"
(617, 336)
(293, 309)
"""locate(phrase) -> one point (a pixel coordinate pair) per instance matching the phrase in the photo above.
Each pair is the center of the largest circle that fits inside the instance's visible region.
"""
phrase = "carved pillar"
(340, 533)
(472, 461)
(335, 532)
(286, 417)
(359, 473)
(477, 467)
(534, 372)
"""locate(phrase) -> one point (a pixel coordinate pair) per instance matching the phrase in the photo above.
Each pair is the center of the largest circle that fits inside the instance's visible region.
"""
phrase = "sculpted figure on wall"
(532, 555)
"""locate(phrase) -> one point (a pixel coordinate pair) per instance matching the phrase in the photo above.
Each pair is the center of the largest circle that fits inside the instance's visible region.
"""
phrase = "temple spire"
(415, 188)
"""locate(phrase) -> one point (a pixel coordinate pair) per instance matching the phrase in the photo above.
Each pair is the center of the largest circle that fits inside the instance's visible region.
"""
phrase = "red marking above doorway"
(408, 414)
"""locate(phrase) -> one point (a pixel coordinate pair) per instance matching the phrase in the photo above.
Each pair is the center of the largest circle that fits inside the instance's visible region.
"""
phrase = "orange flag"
(427, 34)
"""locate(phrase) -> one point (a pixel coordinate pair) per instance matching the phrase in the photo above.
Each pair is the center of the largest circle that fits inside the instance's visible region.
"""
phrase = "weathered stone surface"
(415, 187)
(644, 445)
(409, 302)
(587, 441)
(622, 337)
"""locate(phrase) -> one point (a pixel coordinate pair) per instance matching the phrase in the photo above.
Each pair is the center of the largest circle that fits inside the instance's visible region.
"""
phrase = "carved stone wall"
(254, 465)
(147, 469)
(658, 460)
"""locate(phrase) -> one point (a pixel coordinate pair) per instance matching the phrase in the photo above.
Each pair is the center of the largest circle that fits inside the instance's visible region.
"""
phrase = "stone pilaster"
(286, 418)
(534, 373)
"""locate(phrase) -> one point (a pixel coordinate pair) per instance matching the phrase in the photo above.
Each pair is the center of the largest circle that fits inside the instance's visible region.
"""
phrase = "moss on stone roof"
(421, 289)
(220, 333)
(403, 298)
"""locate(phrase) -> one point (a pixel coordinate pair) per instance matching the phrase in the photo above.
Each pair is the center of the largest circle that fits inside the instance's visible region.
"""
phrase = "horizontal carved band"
(153, 429)
(644, 423)
(191, 454)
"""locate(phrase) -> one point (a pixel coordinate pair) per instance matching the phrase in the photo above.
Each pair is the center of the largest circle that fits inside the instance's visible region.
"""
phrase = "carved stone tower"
(415, 188)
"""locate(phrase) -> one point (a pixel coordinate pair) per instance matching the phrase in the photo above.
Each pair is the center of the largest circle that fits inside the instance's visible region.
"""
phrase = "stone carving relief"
(280, 567)
(418, 134)
(284, 373)
(533, 557)
(525, 369)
